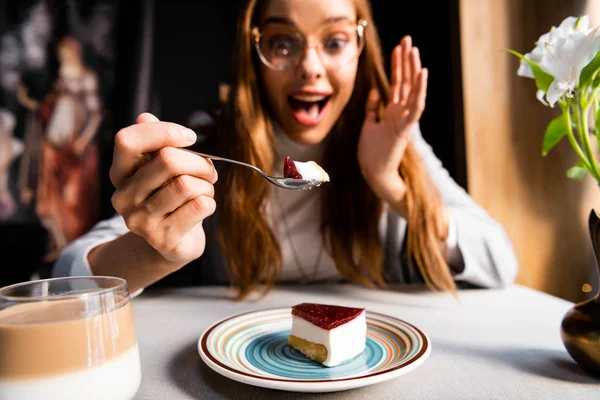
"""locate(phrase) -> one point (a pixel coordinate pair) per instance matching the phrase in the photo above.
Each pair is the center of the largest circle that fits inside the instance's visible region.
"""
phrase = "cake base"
(314, 351)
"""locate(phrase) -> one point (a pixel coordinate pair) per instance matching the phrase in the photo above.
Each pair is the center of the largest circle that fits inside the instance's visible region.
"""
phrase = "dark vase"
(580, 329)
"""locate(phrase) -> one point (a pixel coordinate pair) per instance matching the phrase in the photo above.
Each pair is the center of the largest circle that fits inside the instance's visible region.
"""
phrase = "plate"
(252, 348)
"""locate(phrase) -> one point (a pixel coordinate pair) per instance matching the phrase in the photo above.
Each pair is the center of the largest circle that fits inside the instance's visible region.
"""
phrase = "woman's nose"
(311, 66)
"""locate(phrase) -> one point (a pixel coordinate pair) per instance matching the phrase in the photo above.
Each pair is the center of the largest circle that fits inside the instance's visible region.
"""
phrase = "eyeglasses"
(280, 46)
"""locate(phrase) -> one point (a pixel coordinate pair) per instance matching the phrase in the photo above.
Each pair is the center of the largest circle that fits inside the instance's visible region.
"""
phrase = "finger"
(146, 117)
(167, 164)
(415, 64)
(132, 144)
(407, 78)
(372, 106)
(396, 69)
(417, 104)
(189, 215)
(175, 194)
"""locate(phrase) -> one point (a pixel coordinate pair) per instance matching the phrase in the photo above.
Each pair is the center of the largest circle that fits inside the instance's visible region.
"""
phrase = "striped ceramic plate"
(252, 348)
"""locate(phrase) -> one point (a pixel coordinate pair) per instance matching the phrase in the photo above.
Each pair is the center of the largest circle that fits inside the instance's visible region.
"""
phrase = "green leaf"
(543, 80)
(577, 171)
(556, 130)
(597, 117)
(589, 70)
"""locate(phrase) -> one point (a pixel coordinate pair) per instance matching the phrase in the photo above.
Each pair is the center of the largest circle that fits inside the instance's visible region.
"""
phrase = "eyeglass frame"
(361, 25)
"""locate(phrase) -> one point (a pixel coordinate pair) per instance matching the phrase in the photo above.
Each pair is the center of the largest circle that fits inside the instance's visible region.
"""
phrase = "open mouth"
(308, 109)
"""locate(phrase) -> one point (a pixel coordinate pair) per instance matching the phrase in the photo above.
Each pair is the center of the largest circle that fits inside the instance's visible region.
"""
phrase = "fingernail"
(190, 136)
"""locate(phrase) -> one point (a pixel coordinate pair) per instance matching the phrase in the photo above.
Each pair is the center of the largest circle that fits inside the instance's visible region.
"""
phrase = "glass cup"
(68, 338)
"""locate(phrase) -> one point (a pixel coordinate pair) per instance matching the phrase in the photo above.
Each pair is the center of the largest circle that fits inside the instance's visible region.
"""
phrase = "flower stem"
(596, 107)
(573, 141)
(583, 127)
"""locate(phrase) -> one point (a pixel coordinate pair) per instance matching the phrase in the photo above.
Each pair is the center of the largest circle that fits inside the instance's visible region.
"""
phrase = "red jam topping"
(325, 316)
(290, 170)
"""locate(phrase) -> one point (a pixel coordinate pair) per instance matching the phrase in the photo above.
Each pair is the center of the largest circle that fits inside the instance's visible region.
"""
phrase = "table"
(490, 344)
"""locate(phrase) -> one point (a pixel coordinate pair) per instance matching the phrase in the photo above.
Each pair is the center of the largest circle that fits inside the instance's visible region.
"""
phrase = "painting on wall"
(56, 71)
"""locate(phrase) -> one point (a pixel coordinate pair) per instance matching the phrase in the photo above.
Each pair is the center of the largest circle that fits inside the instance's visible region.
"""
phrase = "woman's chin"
(308, 136)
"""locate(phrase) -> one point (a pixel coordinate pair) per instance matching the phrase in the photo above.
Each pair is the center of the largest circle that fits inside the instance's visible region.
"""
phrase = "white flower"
(569, 26)
(565, 58)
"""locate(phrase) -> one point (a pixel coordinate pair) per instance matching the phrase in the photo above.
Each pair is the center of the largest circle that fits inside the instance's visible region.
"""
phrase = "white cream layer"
(116, 380)
(342, 343)
(312, 171)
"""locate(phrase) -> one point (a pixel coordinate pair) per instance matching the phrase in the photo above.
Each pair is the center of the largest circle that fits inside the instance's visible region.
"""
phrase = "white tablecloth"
(491, 344)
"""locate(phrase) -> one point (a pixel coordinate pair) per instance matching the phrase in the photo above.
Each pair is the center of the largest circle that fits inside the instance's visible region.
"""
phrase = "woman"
(310, 84)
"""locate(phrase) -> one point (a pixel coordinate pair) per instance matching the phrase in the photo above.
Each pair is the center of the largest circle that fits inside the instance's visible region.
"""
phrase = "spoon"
(286, 183)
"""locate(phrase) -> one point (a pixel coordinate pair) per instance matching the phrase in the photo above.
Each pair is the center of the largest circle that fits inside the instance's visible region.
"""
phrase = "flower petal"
(586, 50)
(568, 24)
(554, 92)
(584, 24)
(525, 70)
(541, 97)
(553, 63)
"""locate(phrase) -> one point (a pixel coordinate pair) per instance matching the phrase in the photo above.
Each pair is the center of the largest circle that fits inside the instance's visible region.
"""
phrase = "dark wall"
(199, 44)
(435, 32)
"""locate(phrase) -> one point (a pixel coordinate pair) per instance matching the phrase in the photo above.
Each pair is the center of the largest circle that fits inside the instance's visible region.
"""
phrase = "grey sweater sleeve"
(486, 251)
(73, 259)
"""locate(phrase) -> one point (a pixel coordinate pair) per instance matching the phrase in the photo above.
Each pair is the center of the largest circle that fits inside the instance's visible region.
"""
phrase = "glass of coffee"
(68, 338)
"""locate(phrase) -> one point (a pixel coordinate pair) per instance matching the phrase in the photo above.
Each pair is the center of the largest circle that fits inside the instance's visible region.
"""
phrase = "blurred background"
(90, 67)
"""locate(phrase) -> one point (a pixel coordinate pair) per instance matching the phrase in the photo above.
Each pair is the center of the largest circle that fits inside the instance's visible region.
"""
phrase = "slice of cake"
(328, 334)
(310, 171)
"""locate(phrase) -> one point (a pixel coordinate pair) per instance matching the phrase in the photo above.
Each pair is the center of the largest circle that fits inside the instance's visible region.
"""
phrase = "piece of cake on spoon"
(310, 170)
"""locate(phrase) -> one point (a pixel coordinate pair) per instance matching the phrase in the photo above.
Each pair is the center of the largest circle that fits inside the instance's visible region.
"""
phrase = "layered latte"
(56, 350)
